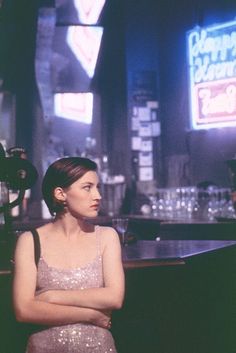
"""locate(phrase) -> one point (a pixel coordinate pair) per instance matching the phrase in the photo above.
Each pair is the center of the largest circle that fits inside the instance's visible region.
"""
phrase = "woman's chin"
(92, 213)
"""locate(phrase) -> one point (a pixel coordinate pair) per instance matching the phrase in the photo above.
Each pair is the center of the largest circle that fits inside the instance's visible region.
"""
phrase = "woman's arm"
(111, 295)
(28, 309)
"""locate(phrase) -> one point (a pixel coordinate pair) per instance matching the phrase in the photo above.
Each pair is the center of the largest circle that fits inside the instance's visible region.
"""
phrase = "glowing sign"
(75, 106)
(88, 11)
(84, 42)
(212, 75)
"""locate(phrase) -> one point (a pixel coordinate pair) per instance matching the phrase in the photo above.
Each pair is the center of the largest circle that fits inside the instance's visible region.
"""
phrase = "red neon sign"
(212, 75)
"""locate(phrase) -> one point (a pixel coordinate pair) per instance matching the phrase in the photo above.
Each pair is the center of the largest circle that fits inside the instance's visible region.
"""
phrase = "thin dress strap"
(98, 240)
(37, 247)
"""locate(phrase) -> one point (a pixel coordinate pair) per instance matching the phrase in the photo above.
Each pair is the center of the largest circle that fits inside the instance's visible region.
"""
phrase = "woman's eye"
(87, 187)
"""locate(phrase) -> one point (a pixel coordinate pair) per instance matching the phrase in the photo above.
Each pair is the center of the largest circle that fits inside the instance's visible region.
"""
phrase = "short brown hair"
(62, 173)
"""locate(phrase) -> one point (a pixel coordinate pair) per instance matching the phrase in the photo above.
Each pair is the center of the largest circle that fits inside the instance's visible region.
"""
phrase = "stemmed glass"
(121, 225)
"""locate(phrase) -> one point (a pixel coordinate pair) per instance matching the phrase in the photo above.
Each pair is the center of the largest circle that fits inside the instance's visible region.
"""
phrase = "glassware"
(153, 204)
(121, 225)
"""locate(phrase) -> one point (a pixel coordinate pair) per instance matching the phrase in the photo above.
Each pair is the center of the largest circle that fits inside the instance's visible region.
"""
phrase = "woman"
(78, 279)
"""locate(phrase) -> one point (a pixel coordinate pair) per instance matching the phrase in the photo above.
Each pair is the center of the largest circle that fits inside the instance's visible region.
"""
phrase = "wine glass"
(121, 225)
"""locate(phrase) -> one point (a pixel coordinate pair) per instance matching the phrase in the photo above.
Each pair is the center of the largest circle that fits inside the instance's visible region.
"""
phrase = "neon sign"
(212, 75)
(85, 42)
(88, 11)
(74, 106)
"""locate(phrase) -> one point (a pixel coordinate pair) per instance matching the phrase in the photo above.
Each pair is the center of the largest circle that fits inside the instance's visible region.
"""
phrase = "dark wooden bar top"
(147, 253)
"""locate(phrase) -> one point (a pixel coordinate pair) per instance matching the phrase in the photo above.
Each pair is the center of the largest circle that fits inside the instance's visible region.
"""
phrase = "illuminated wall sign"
(212, 75)
(85, 42)
(89, 10)
(75, 106)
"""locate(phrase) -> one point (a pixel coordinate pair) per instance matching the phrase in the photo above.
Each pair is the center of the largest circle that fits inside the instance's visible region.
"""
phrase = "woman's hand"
(101, 318)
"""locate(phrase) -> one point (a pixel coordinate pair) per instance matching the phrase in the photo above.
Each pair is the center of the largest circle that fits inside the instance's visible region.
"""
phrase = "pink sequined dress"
(73, 338)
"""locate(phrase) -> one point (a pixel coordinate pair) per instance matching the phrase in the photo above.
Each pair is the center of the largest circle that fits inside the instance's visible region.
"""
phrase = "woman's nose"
(97, 195)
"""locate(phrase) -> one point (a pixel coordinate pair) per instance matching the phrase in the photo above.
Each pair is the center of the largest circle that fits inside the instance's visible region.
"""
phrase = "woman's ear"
(59, 194)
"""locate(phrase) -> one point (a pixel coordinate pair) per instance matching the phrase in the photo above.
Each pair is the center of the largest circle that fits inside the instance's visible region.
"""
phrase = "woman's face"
(83, 196)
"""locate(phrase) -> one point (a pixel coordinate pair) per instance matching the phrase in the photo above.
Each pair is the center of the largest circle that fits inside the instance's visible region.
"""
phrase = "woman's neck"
(70, 226)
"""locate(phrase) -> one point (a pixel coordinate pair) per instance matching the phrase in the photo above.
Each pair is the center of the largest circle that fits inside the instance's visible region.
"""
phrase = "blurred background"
(114, 80)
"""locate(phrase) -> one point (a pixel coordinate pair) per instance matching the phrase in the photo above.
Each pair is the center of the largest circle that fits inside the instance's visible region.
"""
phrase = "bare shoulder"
(108, 231)
(24, 246)
(108, 234)
(25, 238)
(110, 243)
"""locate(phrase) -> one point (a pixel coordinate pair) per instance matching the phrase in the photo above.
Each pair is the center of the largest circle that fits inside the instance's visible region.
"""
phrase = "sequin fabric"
(75, 338)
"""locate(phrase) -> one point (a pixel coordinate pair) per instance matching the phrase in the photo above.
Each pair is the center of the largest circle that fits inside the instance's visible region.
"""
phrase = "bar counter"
(180, 298)
(147, 253)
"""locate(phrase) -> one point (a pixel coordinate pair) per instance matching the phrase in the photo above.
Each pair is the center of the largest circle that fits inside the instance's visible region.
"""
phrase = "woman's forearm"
(96, 298)
(43, 313)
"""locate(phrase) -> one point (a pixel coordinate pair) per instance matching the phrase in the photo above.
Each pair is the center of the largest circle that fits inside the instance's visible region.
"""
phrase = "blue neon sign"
(212, 75)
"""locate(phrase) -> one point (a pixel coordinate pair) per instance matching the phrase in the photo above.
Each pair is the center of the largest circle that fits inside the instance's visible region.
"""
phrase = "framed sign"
(212, 75)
